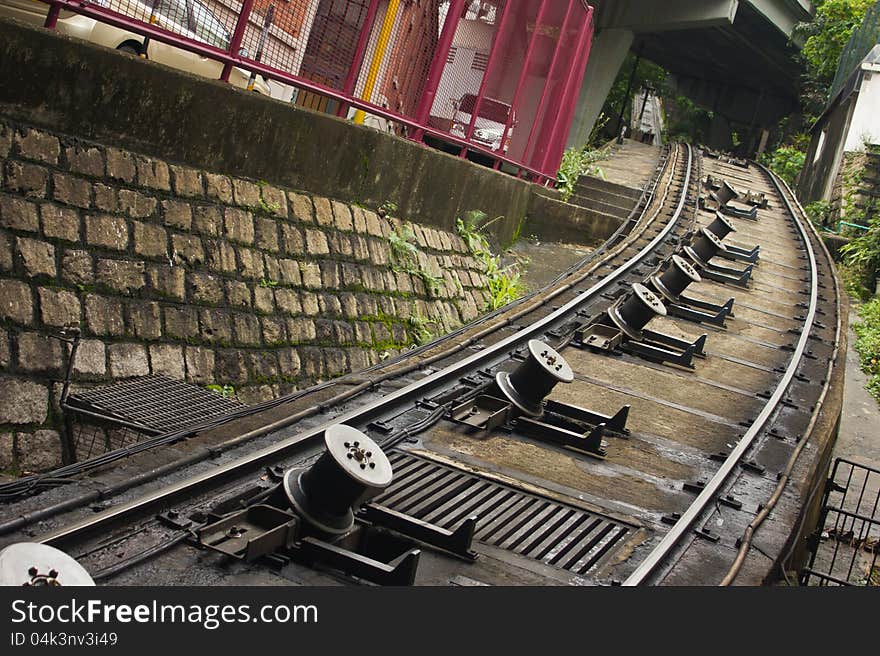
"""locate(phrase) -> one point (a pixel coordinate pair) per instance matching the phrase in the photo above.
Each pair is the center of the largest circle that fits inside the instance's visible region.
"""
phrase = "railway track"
(597, 432)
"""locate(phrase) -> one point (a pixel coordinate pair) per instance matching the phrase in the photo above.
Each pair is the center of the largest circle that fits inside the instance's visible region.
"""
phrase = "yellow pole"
(378, 55)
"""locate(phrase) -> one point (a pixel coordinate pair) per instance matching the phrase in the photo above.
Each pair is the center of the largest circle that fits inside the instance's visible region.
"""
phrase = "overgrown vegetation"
(786, 162)
(226, 391)
(575, 163)
(861, 259)
(868, 344)
(505, 282)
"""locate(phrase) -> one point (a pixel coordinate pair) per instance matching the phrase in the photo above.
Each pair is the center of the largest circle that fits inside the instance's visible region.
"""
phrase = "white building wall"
(865, 126)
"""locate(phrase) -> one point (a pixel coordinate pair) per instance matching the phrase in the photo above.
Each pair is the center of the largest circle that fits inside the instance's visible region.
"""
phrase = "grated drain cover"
(536, 527)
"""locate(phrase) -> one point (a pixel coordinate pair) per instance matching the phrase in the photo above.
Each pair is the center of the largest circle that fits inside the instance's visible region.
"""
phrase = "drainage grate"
(536, 527)
(119, 415)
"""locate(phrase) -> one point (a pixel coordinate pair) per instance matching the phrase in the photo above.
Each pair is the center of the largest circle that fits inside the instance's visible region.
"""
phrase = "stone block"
(136, 204)
(220, 256)
(230, 367)
(120, 165)
(342, 215)
(34, 144)
(238, 294)
(145, 320)
(264, 299)
(187, 182)
(85, 160)
(288, 272)
(72, 190)
(16, 302)
(105, 198)
(274, 200)
(59, 307)
(301, 207)
(38, 352)
(128, 360)
(107, 231)
(251, 264)
(91, 358)
(245, 193)
(23, 402)
(177, 214)
(150, 240)
(316, 242)
(323, 211)
(301, 330)
(7, 450)
(18, 214)
(27, 179)
(309, 303)
(37, 257)
(208, 220)
(264, 366)
(311, 274)
(153, 173)
(168, 281)
(216, 326)
(292, 242)
(181, 322)
(218, 187)
(247, 329)
(273, 331)
(104, 315)
(167, 360)
(199, 365)
(238, 225)
(39, 451)
(77, 267)
(287, 301)
(123, 276)
(188, 248)
(266, 234)
(59, 222)
(206, 289)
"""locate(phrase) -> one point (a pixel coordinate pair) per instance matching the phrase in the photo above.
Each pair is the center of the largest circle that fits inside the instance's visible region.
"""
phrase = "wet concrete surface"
(859, 437)
(541, 262)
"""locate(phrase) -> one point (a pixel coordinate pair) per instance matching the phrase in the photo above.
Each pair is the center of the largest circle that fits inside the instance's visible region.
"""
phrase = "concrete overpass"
(732, 56)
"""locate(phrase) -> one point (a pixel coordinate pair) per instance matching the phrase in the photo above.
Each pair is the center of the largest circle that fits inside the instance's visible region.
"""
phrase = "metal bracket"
(589, 443)
(615, 423)
(484, 412)
(740, 254)
(457, 542)
(399, 571)
(250, 533)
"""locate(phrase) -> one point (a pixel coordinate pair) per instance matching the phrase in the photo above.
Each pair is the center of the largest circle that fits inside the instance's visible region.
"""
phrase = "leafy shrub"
(868, 344)
(575, 163)
(861, 257)
(786, 162)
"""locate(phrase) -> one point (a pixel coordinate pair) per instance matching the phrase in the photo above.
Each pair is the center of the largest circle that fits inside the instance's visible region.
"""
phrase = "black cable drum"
(679, 274)
(530, 383)
(352, 470)
(704, 247)
(636, 310)
(721, 226)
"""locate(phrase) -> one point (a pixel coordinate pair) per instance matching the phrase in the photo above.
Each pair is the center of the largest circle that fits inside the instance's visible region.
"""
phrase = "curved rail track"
(650, 466)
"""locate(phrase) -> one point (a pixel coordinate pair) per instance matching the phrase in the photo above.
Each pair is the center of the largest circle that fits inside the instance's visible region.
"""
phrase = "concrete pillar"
(719, 133)
(610, 48)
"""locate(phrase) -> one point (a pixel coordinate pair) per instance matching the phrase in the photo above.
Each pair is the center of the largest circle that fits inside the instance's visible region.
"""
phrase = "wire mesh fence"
(847, 542)
(494, 76)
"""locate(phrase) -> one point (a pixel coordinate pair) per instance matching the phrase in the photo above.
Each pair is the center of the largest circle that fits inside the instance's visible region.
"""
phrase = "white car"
(189, 18)
(489, 126)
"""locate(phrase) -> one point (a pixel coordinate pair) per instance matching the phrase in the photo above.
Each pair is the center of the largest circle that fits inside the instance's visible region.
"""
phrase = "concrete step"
(619, 206)
(588, 184)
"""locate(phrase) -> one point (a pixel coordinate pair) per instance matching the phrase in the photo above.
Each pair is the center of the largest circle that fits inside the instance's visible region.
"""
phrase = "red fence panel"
(493, 77)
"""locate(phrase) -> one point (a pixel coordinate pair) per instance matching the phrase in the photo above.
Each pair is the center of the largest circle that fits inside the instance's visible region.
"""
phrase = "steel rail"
(367, 412)
(755, 524)
(659, 554)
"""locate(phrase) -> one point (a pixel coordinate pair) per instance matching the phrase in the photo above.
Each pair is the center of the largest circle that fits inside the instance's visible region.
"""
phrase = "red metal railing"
(497, 78)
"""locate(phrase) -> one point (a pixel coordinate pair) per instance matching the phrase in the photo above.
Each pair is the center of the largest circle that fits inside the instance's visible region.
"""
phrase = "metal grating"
(536, 527)
(157, 403)
(848, 538)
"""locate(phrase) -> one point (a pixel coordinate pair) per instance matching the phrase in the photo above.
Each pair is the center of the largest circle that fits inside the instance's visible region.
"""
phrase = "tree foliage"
(827, 34)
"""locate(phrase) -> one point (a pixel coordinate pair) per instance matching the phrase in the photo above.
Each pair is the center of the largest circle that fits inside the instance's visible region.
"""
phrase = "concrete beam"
(650, 16)
(609, 51)
(784, 14)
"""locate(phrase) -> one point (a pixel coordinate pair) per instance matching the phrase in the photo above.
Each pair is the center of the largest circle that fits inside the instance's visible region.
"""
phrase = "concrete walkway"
(859, 437)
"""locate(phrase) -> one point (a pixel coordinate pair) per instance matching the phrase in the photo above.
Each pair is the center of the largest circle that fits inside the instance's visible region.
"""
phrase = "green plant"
(786, 162)
(868, 344)
(504, 283)
(403, 251)
(861, 256)
(433, 284)
(418, 328)
(386, 208)
(226, 391)
(268, 208)
(818, 212)
(575, 163)
(271, 284)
